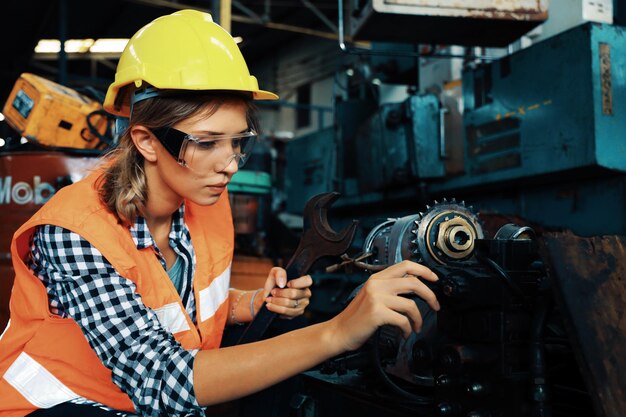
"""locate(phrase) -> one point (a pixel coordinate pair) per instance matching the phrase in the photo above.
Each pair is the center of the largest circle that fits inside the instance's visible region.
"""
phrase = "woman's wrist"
(235, 315)
(244, 305)
(256, 302)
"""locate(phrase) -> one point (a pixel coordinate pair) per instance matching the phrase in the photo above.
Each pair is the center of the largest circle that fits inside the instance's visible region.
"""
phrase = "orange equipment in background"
(50, 114)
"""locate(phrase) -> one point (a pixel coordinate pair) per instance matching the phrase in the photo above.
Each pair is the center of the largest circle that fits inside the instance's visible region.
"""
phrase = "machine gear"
(444, 234)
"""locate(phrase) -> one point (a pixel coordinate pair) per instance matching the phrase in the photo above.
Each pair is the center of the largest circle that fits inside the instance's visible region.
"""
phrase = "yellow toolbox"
(48, 113)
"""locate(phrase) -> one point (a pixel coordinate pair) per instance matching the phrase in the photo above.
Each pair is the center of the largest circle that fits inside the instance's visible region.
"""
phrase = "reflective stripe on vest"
(172, 317)
(214, 295)
(36, 384)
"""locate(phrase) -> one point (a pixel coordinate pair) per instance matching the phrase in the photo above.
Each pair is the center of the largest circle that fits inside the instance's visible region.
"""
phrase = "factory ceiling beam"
(320, 15)
(244, 19)
(248, 12)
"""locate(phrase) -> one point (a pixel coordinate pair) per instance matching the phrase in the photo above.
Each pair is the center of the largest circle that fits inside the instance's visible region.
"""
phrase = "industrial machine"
(541, 137)
(531, 281)
(497, 347)
(53, 115)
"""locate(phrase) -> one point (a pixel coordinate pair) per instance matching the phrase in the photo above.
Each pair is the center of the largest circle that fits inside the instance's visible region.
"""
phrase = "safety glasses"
(203, 153)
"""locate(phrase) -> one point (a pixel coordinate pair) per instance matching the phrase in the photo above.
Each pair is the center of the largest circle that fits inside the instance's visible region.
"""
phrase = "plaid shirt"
(147, 363)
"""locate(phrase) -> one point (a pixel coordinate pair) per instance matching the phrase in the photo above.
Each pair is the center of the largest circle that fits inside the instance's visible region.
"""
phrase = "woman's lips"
(218, 187)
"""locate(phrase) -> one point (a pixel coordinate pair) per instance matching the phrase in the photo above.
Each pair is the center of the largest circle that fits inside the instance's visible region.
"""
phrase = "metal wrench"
(318, 240)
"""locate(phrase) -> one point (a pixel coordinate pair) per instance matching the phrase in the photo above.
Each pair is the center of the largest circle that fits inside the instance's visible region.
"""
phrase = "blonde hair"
(122, 185)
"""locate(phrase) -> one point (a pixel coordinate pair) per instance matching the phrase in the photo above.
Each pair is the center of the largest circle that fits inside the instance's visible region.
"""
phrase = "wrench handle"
(261, 321)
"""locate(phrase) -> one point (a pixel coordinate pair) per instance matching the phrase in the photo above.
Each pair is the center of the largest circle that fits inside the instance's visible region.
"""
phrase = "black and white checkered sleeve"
(146, 361)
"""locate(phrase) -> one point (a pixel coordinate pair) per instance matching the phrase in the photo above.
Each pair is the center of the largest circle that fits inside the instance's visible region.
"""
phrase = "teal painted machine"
(545, 133)
(544, 138)
(554, 108)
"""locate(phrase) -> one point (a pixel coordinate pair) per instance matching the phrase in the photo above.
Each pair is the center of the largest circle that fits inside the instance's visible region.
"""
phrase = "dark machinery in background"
(540, 136)
(532, 289)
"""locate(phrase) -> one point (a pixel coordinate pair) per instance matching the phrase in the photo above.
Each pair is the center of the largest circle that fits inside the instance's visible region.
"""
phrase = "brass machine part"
(455, 237)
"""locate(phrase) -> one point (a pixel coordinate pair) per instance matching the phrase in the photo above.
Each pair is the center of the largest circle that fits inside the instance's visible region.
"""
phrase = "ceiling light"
(1, 117)
(78, 45)
(109, 45)
(238, 39)
(46, 46)
(105, 45)
(2, 142)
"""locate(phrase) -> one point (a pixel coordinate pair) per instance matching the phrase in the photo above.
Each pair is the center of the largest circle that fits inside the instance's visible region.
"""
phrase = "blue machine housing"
(311, 168)
(544, 137)
(556, 107)
(400, 144)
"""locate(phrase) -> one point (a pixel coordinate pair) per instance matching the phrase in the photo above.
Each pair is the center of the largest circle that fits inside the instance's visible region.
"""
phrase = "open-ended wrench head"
(318, 238)
(316, 219)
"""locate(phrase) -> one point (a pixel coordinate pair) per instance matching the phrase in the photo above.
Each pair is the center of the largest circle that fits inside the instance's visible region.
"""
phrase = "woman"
(122, 290)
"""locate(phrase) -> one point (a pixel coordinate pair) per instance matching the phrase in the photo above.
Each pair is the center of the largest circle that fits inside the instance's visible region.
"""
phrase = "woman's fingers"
(286, 307)
(287, 298)
(303, 282)
(407, 285)
(407, 308)
(406, 268)
(290, 293)
(400, 321)
(277, 277)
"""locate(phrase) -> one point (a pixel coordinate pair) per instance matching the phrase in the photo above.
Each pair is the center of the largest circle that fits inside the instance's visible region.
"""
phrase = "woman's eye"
(237, 143)
(209, 144)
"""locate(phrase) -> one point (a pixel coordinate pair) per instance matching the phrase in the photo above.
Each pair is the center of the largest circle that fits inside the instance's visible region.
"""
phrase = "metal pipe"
(215, 11)
(266, 10)
(225, 14)
(342, 44)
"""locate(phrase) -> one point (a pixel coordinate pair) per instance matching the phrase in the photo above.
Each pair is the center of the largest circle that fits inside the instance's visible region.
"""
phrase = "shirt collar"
(142, 237)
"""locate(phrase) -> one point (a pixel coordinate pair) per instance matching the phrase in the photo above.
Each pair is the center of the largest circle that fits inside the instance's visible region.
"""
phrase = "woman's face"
(207, 177)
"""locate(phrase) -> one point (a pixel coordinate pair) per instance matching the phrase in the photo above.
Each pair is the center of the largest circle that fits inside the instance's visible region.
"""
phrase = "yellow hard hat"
(185, 50)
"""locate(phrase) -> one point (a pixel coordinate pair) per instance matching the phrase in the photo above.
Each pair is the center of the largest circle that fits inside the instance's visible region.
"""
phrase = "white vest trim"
(36, 383)
(212, 297)
(172, 317)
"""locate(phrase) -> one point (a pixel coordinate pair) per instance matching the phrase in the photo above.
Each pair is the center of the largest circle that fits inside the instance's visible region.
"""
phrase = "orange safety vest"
(45, 360)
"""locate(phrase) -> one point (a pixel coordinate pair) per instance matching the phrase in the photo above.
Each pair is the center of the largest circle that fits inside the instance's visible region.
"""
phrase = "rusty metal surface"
(485, 9)
(447, 22)
(589, 275)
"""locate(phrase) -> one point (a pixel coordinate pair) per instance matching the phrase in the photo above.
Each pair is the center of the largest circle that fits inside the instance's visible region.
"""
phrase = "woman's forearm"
(225, 374)
(228, 373)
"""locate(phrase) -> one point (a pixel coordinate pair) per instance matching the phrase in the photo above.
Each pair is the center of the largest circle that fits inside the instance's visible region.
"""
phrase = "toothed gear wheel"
(442, 235)
(446, 232)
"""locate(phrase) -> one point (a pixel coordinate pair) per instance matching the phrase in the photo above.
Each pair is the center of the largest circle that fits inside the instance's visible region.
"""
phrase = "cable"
(104, 139)
(502, 274)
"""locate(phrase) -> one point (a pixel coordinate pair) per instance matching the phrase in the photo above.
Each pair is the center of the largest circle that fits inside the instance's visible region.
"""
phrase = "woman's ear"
(144, 141)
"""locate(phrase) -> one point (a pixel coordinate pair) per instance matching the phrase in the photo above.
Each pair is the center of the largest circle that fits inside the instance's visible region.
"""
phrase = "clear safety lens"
(216, 152)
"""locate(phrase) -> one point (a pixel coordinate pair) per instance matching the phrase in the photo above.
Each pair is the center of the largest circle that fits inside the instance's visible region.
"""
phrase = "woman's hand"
(289, 299)
(379, 303)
